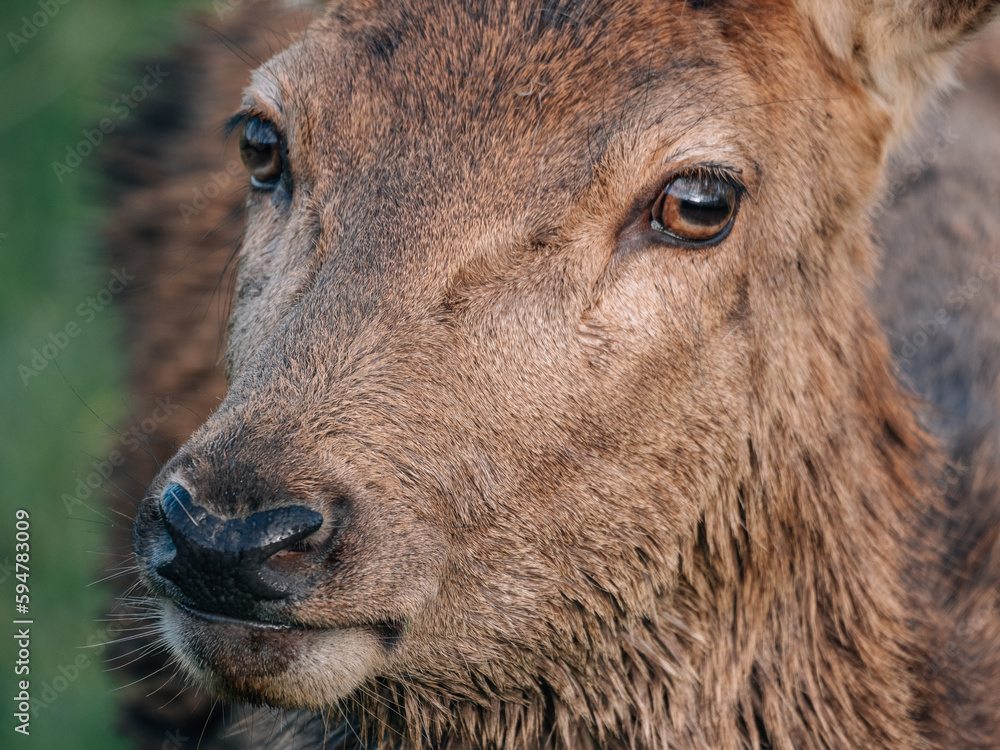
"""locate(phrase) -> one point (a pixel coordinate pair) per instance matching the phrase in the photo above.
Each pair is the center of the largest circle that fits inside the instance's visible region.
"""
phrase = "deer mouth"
(389, 632)
(254, 624)
(282, 664)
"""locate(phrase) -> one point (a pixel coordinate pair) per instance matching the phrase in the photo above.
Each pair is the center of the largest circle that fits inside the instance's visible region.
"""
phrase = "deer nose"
(219, 563)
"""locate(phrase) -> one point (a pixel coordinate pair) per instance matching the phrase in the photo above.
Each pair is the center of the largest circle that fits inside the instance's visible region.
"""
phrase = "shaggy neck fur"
(785, 625)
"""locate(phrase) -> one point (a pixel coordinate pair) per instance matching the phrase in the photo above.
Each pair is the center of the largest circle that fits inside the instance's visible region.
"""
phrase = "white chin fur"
(308, 668)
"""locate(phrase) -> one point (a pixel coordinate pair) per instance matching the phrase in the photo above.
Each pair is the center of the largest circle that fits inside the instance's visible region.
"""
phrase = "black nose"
(218, 562)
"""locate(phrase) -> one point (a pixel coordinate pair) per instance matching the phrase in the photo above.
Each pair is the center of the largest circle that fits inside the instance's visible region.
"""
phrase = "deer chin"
(287, 666)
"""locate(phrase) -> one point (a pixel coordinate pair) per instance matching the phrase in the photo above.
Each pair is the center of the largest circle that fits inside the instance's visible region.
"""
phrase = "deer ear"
(901, 50)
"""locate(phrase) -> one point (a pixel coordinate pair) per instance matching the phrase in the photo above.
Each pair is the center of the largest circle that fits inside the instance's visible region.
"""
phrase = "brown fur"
(601, 493)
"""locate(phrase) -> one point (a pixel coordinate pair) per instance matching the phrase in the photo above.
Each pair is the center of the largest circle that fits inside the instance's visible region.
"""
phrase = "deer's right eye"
(260, 150)
(697, 209)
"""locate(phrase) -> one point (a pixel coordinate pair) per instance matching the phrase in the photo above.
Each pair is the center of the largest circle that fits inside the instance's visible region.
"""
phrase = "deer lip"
(225, 619)
(389, 632)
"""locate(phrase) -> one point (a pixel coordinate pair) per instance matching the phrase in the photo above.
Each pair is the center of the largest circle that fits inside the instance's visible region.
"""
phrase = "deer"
(560, 404)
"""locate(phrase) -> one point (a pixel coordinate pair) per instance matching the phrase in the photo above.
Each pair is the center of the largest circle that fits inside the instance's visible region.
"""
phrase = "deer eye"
(696, 208)
(260, 150)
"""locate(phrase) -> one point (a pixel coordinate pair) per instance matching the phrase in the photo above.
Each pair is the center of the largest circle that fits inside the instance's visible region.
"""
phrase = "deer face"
(530, 302)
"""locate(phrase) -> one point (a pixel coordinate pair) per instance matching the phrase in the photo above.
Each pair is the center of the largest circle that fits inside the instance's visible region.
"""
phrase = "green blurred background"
(55, 83)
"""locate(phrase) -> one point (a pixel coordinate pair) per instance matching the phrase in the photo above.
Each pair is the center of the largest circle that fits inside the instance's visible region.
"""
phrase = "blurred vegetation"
(62, 65)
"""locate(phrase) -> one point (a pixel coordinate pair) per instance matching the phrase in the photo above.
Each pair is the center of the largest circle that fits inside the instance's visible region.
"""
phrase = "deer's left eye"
(260, 150)
(696, 208)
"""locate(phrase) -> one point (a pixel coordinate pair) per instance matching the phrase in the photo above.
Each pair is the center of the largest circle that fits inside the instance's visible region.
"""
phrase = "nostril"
(180, 512)
(218, 563)
(263, 533)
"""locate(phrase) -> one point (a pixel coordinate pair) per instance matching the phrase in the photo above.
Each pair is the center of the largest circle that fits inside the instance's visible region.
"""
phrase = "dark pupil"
(258, 144)
(702, 202)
